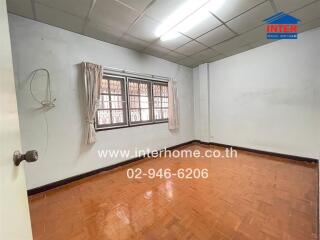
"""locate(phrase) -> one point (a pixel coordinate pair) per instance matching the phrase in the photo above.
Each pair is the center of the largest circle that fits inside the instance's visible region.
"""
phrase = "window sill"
(133, 125)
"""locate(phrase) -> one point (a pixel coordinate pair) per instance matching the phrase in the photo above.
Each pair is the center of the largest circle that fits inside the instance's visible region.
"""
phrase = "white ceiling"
(234, 28)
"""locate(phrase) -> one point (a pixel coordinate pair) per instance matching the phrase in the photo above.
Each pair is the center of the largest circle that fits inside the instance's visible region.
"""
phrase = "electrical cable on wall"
(48, 102)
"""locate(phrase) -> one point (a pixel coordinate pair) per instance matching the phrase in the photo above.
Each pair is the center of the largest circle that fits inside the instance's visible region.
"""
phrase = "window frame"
(150, 101)
(126, 110)
(161, 97)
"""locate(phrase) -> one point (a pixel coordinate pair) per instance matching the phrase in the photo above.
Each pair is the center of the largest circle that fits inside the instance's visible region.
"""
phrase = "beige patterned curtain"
(173, 111)
(92, 74)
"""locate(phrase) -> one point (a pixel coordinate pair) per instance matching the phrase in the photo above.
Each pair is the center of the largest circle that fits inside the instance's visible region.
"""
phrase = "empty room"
(159, 119)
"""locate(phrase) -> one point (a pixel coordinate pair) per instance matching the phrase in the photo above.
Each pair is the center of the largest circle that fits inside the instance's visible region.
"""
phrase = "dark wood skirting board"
(94, 172)
(291, 157)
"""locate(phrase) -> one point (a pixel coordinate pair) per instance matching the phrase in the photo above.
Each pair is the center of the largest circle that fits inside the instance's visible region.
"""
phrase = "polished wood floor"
(253, 196)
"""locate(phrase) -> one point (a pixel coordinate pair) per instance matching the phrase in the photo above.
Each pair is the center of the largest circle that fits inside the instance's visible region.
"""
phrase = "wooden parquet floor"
(254, 196)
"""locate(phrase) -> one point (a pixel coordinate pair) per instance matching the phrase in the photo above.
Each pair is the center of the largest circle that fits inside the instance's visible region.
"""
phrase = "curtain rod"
(135, 74)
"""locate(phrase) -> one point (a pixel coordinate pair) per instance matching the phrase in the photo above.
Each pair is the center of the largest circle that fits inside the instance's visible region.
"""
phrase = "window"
(112, 103)
(127, 101)
(139, 101)
(160, 101)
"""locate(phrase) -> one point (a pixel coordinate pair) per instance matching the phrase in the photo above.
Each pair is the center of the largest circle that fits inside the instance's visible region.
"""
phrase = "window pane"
(133, 88)
(160, 101)
(135, 115)
(164, 113)
(157, 114)
(164, 91)
(164, 102)
(116, 101)
(156, 90)
(117, 116)
(145, 115)
(157, 102)
(104, 117)
(134, 102)
(115, 86)
(144, 102)
(112, 102)
(104, 102)
(104, 86)
(139, 94)
(143, 89)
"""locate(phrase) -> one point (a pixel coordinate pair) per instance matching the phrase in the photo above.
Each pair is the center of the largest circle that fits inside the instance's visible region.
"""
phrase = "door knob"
(29, 156)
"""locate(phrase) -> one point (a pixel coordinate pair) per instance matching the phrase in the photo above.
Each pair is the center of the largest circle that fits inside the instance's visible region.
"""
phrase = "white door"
(14, 209)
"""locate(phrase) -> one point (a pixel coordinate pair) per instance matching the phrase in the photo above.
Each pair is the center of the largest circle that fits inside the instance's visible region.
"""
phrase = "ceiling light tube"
(186, 18)
(177, 16)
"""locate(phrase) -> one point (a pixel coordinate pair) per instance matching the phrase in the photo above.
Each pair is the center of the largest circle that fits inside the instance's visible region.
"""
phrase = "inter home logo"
(282, 26)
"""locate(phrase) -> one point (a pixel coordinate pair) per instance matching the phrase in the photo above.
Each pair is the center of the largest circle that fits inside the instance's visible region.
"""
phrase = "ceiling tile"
(252, 18)
(310, 25)
(216, 58)
(174, 43)
(216, 36)
(132, 42)
(261, 43)
(138, 5)
(188, 61)
(173, 56)
(112, 13)
(176, 55)
(230, 46)
(209, 23)
(290, 5)
(234, 8)
(190, 48)
(197, 62)
(237, 50)
(250, 39)
(170, 58)
(101, 32)
(257, 34)
(20, 7)
(156, 51)
(308, 13)
(163, 8)
(144, 29)
(58, 18)
(78, 8)
(205, 54)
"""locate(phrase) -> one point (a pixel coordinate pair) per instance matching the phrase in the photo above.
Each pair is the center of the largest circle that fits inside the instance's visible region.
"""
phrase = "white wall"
(201, 104)
(196, 103)
(268, 98)
(38, 45)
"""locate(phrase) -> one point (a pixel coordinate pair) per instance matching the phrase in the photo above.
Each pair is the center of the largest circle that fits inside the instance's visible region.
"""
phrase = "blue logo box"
(282, 36)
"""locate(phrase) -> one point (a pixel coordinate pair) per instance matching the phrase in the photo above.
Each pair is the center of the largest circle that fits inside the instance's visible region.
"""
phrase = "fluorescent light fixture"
(170, 35)
(193, 20)
(187, 17)
(186, 25)
(177, 16)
